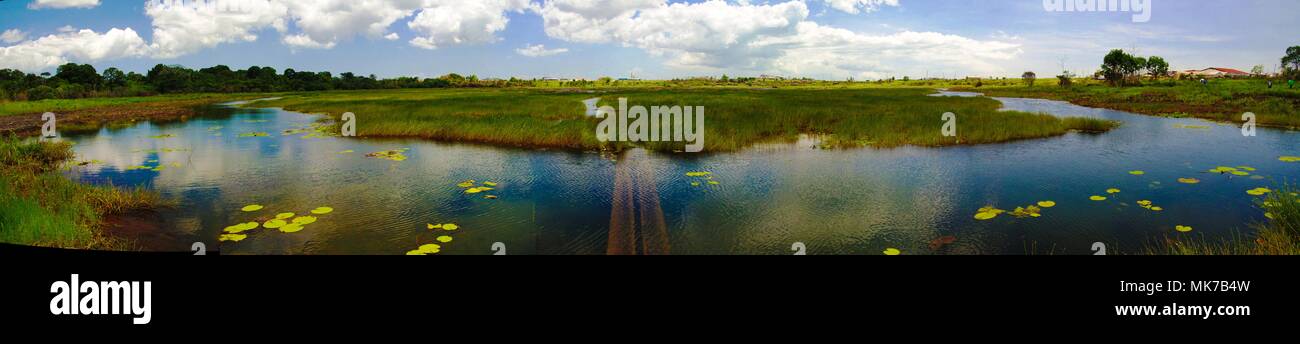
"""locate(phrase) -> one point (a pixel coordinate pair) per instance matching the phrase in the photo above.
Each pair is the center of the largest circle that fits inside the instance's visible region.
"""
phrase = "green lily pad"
(305, 220)
(275, 224)
(322, 210)
(251, 208)
(1137, 173)
(892, 252)
(292, 228)
(1189, 180)
(1182, 228)
(1097, 198)
(444, 239)
(232, 237)
(1046, 204)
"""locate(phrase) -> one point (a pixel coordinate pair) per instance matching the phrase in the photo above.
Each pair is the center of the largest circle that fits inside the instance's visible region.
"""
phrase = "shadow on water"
(636, 224)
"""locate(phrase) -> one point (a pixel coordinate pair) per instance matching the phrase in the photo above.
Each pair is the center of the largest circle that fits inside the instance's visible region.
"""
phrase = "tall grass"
(40, 207)
(735, 117)
(1220, 100)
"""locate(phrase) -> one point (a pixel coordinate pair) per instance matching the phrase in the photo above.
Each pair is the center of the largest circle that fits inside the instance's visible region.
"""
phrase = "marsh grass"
(1280, 235)
(1221, 100)
(736, 118)
(40, 207)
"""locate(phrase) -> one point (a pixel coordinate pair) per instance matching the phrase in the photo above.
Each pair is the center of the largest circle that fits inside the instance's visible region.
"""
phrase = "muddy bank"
(95, 118)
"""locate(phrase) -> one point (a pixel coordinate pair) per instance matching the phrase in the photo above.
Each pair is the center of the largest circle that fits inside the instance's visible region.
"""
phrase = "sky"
(652, 39)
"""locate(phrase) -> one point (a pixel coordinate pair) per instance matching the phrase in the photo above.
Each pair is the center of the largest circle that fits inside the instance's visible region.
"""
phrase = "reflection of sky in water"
(838, 201)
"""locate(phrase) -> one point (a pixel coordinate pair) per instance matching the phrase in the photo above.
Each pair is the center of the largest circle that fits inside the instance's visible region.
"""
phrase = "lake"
(763, 200)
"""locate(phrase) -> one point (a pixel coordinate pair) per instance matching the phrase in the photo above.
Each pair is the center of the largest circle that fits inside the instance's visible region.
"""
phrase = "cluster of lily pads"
(313, 131)
(1240, 171)
(702, 178)
(471, 188)
(394, 155)
(284, 222)
(1260, 191)
(428, 249)
(255, 134)
(155, 168)
(1289, 159)
(1033, 210)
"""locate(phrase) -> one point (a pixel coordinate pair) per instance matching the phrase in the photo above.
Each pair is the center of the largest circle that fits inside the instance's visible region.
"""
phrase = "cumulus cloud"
(449, 22)
(182, 28)
(540, 51)
(80, 46)
(39, 4)
(12, 36)
(859, 6)
(769, 37)
(326, 22)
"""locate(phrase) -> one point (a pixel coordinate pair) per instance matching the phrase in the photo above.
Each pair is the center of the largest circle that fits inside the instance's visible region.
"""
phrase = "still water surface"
(857, 201)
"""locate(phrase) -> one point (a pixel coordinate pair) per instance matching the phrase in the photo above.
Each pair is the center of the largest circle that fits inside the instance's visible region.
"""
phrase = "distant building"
(1217, 72)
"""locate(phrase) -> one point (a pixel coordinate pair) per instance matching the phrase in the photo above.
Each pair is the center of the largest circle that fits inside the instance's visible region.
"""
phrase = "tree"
(84, 75)
(114, 78)
(1157, 67)
(1118, 66)
(1029, 77)
(1292, 58)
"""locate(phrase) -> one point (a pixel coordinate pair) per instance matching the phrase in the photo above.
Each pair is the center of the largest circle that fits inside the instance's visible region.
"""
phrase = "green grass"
(1280, 235)
(40, 207)
(735, 117)
(1222, 100)
(8, 108)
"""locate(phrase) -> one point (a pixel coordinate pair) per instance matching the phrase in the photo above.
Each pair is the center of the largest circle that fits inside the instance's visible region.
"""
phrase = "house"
(1217, 72)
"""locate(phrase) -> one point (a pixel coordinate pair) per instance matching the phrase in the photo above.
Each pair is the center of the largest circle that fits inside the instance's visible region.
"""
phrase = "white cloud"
(326, 22)
(39, 4)
(771, 37)
(12, 36)
(84, 46)
(305, 42)
(185, 28)
(540, 51)
(451, 22)
(859, 6)
(392, 36)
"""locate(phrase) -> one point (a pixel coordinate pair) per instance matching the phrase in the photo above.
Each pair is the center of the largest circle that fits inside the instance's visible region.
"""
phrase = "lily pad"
(322, 210)
(490, 197)
(1046, 204)
(275, 224)
(292, 228)
(450, 227)
(444, 239)
(1097, 198)
(305, 220)
(430, 248)
(1258, 191)
(1182, 228)
(284, 216)
(1137, 173)
(490, 184)
(698, 174)
(251, 208)
(232, 237)
(892, 252)
(433, 226)
(254, 134)
(1112, 191)
(1289, 159)
(466, 184)
(1189, 180)
(394, 155)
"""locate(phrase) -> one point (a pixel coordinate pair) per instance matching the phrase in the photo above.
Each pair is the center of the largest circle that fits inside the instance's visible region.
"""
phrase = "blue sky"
(828, 39)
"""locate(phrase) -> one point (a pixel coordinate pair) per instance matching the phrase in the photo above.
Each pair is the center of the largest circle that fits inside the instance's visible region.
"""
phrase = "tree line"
(71, 81)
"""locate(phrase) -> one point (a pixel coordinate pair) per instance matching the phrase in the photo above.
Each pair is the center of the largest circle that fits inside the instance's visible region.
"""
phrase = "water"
(857, 201)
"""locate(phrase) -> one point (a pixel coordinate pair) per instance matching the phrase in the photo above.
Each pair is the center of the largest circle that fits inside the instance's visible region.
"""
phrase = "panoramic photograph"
(650, 127)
